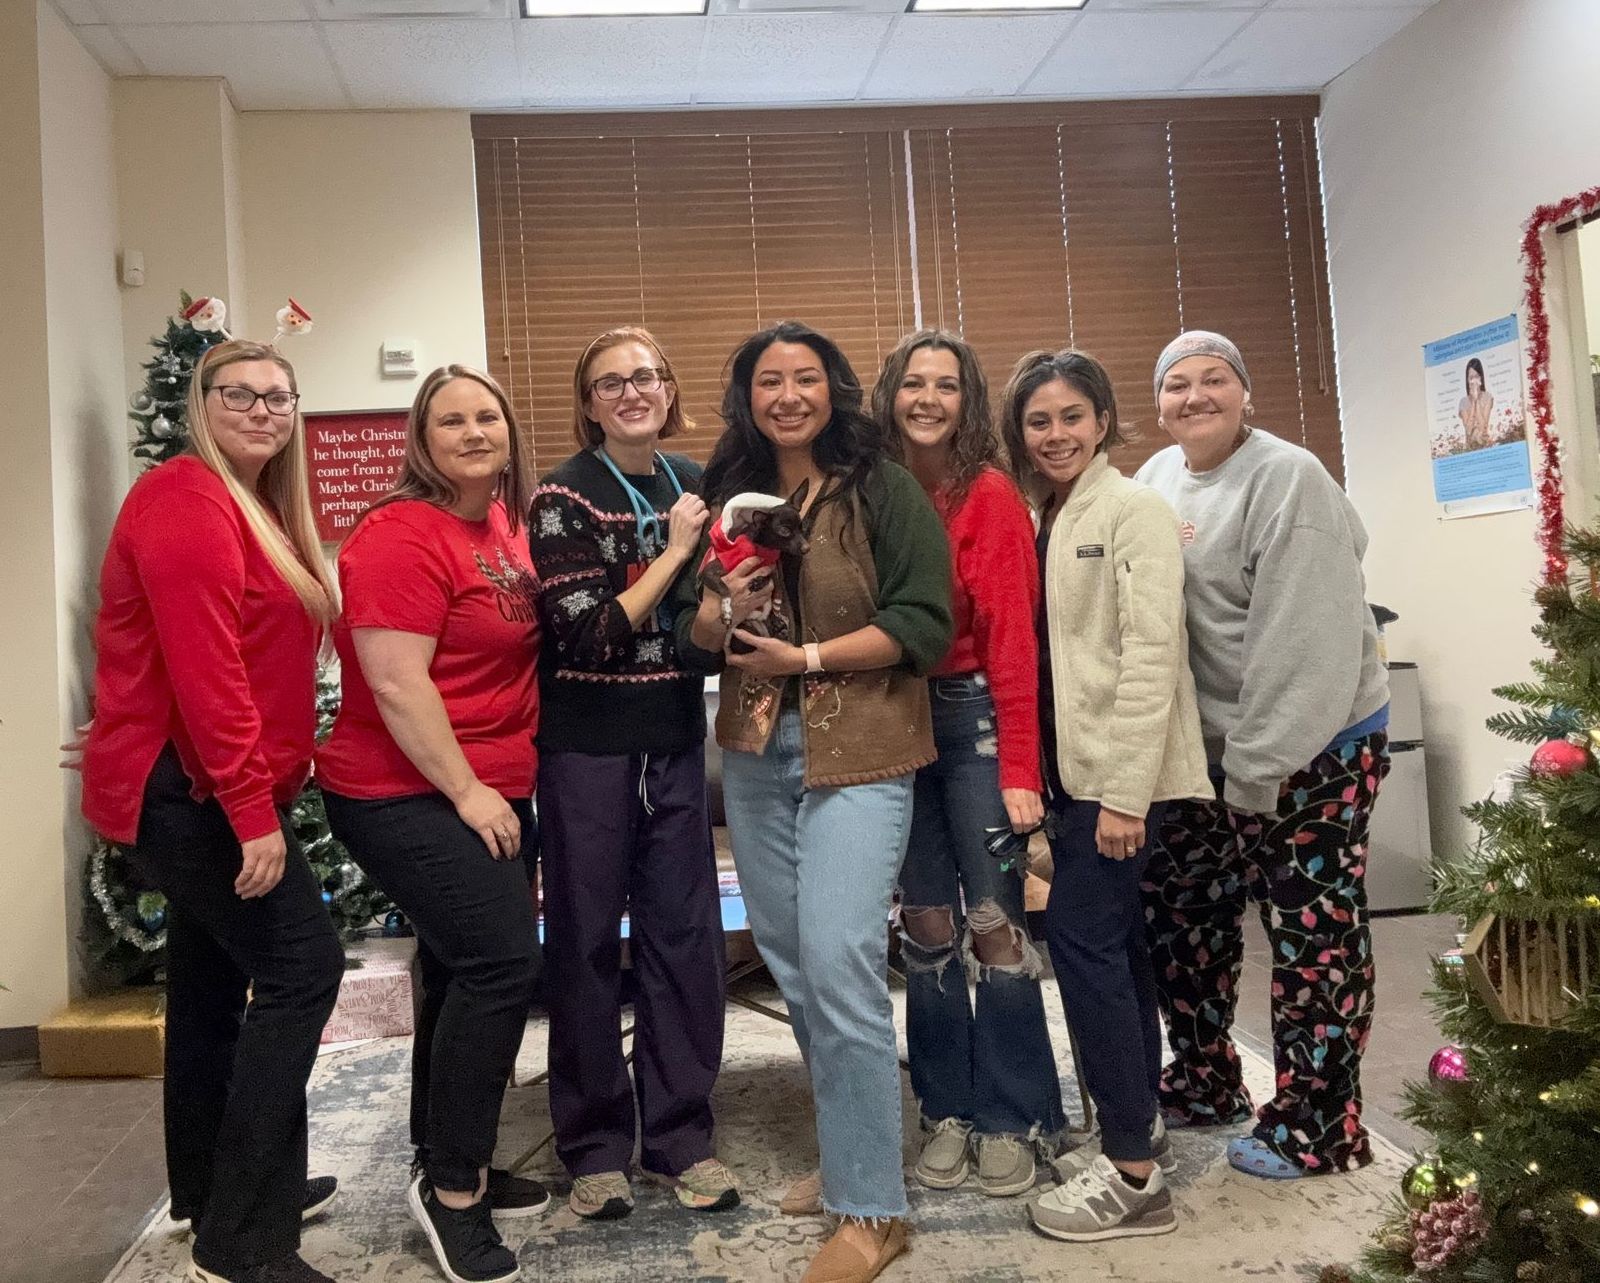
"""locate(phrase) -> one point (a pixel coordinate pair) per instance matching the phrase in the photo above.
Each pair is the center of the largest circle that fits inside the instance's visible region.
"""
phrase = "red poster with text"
(352, 460)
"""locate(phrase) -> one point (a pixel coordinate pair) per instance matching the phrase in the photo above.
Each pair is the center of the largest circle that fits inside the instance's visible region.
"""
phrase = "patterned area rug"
(1231, 1227)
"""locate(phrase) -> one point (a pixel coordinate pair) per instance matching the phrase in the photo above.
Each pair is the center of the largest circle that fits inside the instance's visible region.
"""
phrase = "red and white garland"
(1552, 522)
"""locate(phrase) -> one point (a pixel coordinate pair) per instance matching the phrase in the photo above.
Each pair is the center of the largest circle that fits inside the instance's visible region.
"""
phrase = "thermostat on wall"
(399, 357)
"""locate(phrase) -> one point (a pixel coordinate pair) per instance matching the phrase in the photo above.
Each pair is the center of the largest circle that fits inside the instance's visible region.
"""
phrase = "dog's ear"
(798, 498)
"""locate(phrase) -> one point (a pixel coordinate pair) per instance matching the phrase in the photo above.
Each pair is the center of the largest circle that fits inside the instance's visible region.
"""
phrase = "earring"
(1249, 407)
(1161, 422)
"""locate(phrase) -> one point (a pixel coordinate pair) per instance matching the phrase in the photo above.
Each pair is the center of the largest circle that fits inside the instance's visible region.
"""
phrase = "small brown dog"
(755, 525)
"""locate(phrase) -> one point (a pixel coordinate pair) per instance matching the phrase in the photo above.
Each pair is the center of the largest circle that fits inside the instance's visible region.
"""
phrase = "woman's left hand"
(1118, 836)
(769, 658)
(1024, 809)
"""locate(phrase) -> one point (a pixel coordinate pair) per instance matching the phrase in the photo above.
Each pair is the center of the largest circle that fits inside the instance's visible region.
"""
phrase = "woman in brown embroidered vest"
(823, 726)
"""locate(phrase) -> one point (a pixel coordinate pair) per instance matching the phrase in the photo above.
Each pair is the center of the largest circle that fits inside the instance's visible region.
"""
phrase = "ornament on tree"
(161, 428)
(1559, 757)
(395, 925)
(1448, 1232)
(1447, 1067)
(1424, 1183)
(292, 319)
(208, 316)
(1530, 1271)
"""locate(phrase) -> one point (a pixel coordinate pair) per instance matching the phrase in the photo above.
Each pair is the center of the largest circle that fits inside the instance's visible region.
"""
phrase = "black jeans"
(474, 916)
(236, 1070)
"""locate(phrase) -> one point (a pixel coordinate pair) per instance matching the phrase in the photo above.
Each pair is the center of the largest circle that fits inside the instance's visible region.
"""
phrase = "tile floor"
(81, 1165)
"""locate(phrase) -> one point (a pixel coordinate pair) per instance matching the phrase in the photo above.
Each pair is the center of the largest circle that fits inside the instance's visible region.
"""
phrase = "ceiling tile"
(280, 66)
(1352, 4)
(608, 61)
(436, 63)
(108, 51)
(141, 12)
(1110, 53)
(1300, 49)
(1166, 6)
(934, 56)
(80, 12)
(814, 57)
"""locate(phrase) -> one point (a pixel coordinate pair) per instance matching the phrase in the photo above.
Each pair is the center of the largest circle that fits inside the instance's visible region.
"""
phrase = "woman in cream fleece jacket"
(1121, 736)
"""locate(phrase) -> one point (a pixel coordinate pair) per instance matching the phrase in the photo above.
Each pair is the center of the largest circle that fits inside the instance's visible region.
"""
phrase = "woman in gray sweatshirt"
(1294, 710)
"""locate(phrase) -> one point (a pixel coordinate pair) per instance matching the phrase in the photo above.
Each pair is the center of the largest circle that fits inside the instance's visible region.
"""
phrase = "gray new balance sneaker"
(1081, 1159)
(1098, 1204)
(945, 1160)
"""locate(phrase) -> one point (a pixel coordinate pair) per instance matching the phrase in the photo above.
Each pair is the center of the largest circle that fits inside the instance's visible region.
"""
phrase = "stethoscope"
(646, 523)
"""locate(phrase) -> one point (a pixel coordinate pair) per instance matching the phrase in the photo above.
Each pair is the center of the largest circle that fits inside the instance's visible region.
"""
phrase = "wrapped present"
(374, 996)
(118, 1035)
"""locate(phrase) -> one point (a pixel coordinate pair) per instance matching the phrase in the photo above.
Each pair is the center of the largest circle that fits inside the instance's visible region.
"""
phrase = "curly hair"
(743, 459)
(973, 443)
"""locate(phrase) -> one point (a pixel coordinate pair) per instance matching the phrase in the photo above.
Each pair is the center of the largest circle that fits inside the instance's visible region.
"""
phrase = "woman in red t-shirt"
(983, 1072)
(428, 778)
(213, 598)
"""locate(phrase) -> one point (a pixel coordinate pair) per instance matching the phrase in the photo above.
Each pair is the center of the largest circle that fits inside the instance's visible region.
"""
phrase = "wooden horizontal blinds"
(1108, 226)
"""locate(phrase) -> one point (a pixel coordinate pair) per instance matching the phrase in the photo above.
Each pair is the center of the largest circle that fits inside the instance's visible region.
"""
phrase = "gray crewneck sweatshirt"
(1283, 647)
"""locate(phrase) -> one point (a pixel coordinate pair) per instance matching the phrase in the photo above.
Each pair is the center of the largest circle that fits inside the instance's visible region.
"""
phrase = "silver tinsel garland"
(135, 933)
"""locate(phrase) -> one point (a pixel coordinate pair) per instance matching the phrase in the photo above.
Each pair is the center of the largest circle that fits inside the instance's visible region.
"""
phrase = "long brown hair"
(282, 489)
(973, 443)
(585, 431)
(419, 479)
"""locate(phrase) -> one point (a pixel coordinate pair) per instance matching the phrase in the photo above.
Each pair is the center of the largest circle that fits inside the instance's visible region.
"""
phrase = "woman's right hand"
(262, 868)
(684, 524)
(490, 816)
(72, 750)
(750, 586)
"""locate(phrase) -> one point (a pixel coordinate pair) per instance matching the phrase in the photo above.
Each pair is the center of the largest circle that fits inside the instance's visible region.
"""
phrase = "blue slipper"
(1253, 1158)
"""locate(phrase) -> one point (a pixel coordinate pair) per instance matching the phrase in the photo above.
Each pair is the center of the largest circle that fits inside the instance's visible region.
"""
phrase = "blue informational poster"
(1477, 422)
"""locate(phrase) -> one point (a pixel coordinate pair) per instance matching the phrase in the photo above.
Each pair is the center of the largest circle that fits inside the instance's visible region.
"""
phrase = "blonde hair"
(585, 431)
(290, 541)
(419, 479)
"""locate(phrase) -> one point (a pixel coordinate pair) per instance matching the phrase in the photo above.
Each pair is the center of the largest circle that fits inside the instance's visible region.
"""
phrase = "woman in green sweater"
(823, 726)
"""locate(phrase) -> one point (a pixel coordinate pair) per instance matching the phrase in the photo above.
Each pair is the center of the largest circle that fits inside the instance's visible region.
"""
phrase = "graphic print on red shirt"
(413, 567)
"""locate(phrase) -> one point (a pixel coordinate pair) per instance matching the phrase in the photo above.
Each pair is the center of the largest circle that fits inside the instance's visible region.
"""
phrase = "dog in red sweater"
(755, 525)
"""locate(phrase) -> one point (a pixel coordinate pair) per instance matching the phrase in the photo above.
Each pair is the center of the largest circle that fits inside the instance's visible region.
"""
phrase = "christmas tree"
(127, 935)
(1511, 1192)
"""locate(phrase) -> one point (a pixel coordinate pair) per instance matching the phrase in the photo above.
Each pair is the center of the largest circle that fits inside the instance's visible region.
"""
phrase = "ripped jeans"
(989, 1061)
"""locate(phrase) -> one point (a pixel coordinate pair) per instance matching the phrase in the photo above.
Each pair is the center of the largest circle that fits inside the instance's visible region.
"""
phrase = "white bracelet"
(813, 652)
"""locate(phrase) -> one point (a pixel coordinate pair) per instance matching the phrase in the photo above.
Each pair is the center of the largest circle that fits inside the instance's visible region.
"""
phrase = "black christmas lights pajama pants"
(1305, 868)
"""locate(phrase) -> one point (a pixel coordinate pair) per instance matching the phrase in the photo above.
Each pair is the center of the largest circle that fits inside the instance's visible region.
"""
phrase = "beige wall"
(88, 422)
(1435, 149)
(61, 361)
(1589, 252)
(370, 220)
(177, 182)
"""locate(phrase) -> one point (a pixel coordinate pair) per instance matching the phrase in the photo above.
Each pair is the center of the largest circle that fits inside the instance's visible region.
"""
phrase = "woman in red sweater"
(213, 599)
(428, 778)
(984, 1074)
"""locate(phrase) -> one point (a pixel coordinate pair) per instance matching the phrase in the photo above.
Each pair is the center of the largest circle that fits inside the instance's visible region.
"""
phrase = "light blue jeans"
(818, 869)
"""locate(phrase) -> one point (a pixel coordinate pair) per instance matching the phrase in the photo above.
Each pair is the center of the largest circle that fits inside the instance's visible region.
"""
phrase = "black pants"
(1094, 922)
(474, 915)
(236, 1069)
(630, 833)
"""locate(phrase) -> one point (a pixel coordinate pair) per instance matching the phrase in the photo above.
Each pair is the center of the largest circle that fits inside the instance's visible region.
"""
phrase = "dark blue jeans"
(1094, 923)
(990, 1062)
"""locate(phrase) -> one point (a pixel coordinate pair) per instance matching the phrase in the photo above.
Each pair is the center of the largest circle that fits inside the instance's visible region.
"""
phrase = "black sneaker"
(320, 1191)
(512, 1195)
(286, 1269)
(465, 1243)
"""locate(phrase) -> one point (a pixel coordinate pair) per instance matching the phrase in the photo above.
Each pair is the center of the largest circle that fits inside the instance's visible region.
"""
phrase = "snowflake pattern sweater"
(604, 686)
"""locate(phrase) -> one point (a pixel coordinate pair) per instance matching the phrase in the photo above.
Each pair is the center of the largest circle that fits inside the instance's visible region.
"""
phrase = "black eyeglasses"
(241, 400)
(609, 387)
(1008, 846)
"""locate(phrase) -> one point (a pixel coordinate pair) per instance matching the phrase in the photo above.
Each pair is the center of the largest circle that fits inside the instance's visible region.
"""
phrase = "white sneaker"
(1081, 1159)
(1098, 1204)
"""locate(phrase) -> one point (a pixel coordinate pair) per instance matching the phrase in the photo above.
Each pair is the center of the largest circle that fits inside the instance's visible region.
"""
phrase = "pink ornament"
(1558, 757)
(1447, 1067)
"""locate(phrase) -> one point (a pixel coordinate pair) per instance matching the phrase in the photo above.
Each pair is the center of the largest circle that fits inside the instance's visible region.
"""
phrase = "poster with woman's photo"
(1479, 439)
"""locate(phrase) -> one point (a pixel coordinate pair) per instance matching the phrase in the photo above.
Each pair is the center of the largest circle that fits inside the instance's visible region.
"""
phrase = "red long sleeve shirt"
(994, 591)
(200, 642)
